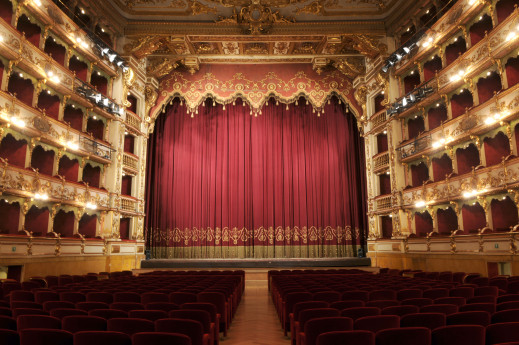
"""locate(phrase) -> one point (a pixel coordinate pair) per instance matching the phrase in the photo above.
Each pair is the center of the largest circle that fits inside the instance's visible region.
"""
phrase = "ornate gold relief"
(150, 98)
(350, 66)
(160, 67)
(143, 46)
(256, 19)
(361, 95)
(198, 8)
(256, 48)
(367, 45)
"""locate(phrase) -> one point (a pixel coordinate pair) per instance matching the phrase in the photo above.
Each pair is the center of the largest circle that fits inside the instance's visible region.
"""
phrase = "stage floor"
(256, 263)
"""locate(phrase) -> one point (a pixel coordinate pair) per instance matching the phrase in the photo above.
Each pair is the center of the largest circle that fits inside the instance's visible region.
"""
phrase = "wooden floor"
(256, 321)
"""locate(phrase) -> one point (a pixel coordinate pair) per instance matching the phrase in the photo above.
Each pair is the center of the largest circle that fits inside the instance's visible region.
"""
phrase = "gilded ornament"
(160, 68)
(367, 45)
(351, 67)
(199, 8)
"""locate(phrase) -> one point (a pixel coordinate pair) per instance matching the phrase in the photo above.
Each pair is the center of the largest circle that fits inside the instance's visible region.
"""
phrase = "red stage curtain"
(284, 184)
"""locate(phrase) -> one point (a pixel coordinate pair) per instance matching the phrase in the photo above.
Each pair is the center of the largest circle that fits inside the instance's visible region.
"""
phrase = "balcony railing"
(131, 162)
(378, 119)
(384, 203)
(414, 147)
(133, 121)
(381, 161)
(96, 148)
(128, 204)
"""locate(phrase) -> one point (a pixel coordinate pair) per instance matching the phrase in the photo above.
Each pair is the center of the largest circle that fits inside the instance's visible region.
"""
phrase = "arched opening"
(102, 34)
(385, 184)
(455, 49)
(386, 223)
(126, 185)
(68, 168)
(473, 218)
(504, 8)
(378, 102)
(50, 103)
(10, 215)
(406, 35)
(133, 103)
(42, 160)
(64, 223)
(92, 175)
(13, 150)
(496, 148)
(460, 102)
(488, 86)
(467, 158)
(129, 143)
(423, 223)
(512, 71)
(436, 115)
(419, 174)
(78, 66)
(1, 69)
(31, 31)
(99, 82)
(504, 214)
(6, 10)
(431, 67)
(22, 88)
(411, 81)
(87, 225)
(382, 145)
(478, 29)
(415, 126)
(429, 17)
(37, 220)
(74, 116)
(55, 50)
(447, 221)
(441, 167)
(124, 228)
(96, 127)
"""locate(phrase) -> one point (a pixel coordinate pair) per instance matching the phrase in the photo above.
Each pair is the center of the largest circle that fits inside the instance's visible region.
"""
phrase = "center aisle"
(256, 321)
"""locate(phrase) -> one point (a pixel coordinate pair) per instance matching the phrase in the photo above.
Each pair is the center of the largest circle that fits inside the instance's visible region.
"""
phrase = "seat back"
(481, 318)
(346, 337)
(160, 338)
(101, 338)
(193, 329)
(78, 323)
(130, 325)
(108, 314)
(37, 336)
(315, 327)
(404, 336)
(459, 334)
(38, 321)
(359, 312)
(428, 320)
(9, 337)
(61, 313)
(400, 310)
(377, 323)
(505, 332)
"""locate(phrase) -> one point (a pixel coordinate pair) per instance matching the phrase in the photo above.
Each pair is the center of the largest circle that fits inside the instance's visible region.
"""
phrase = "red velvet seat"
(126, 306)
(459, 334)
(482, 299)
(296, 311)
(108, 313)
(211, 309)
(38, 321)
(358, 295)
(61, 313)
(429, 320)
(50, 305)
(359, 312)
(201, 316)
(446, 309)
(481, 318)
(487, 307)
(317, 326)
(70, 296)
(127, 296)
(220, 302)
(130, 325)
(179, 298)
(507, 305)
(78, 323)
(98, 296)
(101, 338)
(151, 315)
(6, 311)
(436, 293)
(25, 304)
(7, 322)
(510, 315)
(486, 291)
(419, 302)
(400, 310)
(87, 306)
(150, 297)
(193, 329)
(385, 295)
(381, 304)
(327, 296)
(458, 301)
(45, 296)
(21, 296)
(28, 311)
(36, 336)
(346, 337)
(465, 292)
(408, 293)
(377, 323)
(160, 338)
(404, 336)
(9, 337)
(340, 305)
(165, 306)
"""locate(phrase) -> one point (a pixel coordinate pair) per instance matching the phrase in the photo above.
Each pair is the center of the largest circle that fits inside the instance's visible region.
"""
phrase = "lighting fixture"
(91, 206)
(82, 11)
(17, 121)
(37, 2)
(99, 99)
(472, 193)
(72, 145)
(41, 196)
(404, 50)
(420, 203)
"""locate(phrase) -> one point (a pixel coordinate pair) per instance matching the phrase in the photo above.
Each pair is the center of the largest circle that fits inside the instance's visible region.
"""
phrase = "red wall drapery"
(284, 184)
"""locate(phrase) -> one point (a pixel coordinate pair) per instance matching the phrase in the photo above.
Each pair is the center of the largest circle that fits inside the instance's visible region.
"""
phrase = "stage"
(256, 263)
